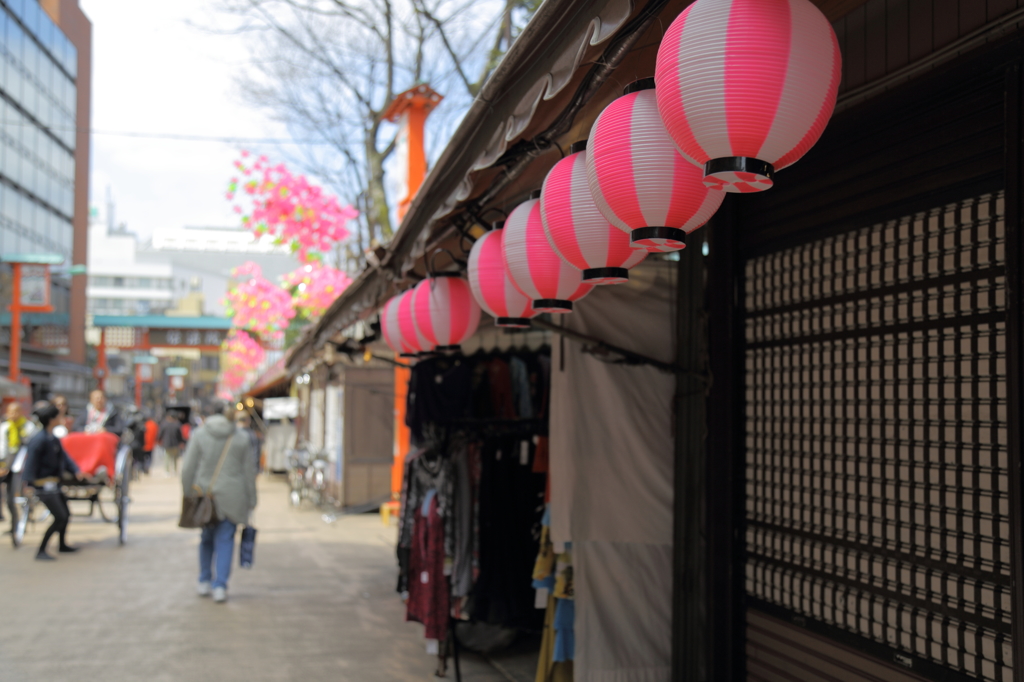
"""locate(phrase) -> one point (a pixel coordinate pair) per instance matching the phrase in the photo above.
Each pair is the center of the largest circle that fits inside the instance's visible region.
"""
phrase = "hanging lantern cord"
(628, 357)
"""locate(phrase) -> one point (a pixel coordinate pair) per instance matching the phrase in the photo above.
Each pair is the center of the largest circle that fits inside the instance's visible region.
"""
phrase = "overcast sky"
(154, 73)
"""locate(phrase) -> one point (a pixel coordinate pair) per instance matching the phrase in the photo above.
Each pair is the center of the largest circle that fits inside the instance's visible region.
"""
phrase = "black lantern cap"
(578, 146)
(552, 304)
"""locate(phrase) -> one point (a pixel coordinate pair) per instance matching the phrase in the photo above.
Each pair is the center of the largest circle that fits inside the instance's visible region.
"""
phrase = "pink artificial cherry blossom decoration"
(289, 207)
(244, 355)
(314, 288)
(257, 304)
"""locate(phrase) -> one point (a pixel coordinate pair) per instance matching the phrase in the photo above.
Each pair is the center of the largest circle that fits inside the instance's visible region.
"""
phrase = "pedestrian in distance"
(149, 442)
(46, 465)
(219, 461)
(61, 403)
(99, 416)
(244, 422)
(15, 433)
(171, 441)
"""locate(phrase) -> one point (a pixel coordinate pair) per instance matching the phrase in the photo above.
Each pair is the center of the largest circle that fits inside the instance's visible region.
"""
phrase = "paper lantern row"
(438, 314)
(742, 88)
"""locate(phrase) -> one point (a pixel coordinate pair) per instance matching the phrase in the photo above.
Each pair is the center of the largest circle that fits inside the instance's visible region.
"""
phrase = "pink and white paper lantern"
(576, 228)
(746, 87)
(639, 180)
(391, 329)
(535, 269)
(491, 285)
(445, 312)
(413, 341)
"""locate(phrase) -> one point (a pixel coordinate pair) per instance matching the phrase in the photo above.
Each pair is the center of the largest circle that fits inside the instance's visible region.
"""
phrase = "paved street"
(319, 604)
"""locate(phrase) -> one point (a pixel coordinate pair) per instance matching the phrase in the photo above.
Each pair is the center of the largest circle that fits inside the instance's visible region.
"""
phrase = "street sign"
(176, 371)
(146, 360)
(35, 288)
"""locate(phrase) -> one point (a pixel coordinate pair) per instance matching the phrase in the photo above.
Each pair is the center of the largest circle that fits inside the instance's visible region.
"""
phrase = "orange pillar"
(14, 362)
(144, 345)
(410, 110)
(101, 360)
(415, 119)
(402, 375)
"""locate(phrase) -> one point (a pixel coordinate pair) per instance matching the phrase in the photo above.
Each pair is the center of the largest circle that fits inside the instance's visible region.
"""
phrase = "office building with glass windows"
(44, 160)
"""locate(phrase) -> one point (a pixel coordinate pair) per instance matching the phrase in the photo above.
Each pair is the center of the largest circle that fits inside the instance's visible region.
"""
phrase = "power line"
(174, 136)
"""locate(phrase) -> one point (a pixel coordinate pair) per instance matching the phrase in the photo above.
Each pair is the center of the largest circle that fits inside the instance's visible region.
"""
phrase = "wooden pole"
(14, 368)
(101, 360)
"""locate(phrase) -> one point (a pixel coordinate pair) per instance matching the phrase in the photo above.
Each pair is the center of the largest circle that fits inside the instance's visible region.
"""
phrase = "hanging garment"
(544, 566)
(440, 391)
(547, 669)
(510, 512)
(428, 471)
(463, 540)
(428, 586)
(564, 587)
(521, 388)
(565, 630)
(502, 393)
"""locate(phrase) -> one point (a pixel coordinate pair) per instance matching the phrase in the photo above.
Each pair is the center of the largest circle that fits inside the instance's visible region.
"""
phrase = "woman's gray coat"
(234, 492)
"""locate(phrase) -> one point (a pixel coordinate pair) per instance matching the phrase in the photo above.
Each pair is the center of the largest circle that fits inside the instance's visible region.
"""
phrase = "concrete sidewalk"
(318, 605)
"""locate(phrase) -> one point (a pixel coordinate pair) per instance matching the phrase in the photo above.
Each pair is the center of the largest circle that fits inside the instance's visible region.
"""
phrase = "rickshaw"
(107, 463)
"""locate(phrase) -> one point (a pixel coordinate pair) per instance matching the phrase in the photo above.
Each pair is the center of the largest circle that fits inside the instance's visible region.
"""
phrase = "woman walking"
(219, 460)
(46, 464)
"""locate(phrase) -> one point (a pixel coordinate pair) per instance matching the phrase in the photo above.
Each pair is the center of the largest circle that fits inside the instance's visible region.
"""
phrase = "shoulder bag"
(198, 510)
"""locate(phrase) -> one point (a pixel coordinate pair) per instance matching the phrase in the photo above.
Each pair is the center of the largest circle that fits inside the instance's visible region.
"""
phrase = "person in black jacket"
(46, 463)
(171, 439)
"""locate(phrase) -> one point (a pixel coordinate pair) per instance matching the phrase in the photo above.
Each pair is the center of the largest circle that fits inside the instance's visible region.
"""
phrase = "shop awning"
(274, 376)
(545, 94)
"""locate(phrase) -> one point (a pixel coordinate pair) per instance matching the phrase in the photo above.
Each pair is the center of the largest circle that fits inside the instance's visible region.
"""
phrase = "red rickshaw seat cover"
(90, 451)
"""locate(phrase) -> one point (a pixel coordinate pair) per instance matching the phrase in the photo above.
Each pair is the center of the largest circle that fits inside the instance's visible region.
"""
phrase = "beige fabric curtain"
(611, 477)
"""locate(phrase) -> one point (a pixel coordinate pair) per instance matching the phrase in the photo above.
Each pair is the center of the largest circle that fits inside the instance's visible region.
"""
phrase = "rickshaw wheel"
(122, 503)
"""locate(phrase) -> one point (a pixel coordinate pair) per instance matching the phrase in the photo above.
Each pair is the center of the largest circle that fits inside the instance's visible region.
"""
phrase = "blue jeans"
(217, 540)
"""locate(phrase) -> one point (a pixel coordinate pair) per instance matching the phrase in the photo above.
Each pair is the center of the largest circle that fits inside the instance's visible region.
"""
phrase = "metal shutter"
(876, 462)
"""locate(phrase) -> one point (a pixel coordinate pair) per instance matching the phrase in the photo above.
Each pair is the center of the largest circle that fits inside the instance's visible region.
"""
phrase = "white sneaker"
(203, 589)
(220, 595)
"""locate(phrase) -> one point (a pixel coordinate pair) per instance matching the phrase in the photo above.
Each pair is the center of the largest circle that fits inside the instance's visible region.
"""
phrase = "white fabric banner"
(612, 477)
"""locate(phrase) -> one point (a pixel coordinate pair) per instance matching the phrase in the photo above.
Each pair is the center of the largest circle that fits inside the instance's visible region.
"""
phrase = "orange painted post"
(14, 363)
(410, 110)
(101, 360)
(402, 376)
(138, 369)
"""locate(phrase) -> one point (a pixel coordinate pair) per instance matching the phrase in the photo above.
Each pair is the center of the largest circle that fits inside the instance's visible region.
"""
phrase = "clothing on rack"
(547, 669)
(521, 388)
(428, 585)
(440, 390)
(510, 513)
(425, 472)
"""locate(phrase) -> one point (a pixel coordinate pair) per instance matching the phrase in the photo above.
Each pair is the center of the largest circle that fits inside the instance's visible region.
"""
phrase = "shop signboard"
(280, 408)
(35, 288)
(186, 337)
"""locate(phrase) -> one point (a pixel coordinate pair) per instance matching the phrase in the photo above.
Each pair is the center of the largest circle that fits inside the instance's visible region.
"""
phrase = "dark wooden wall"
(883, 36)
(938, 133)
